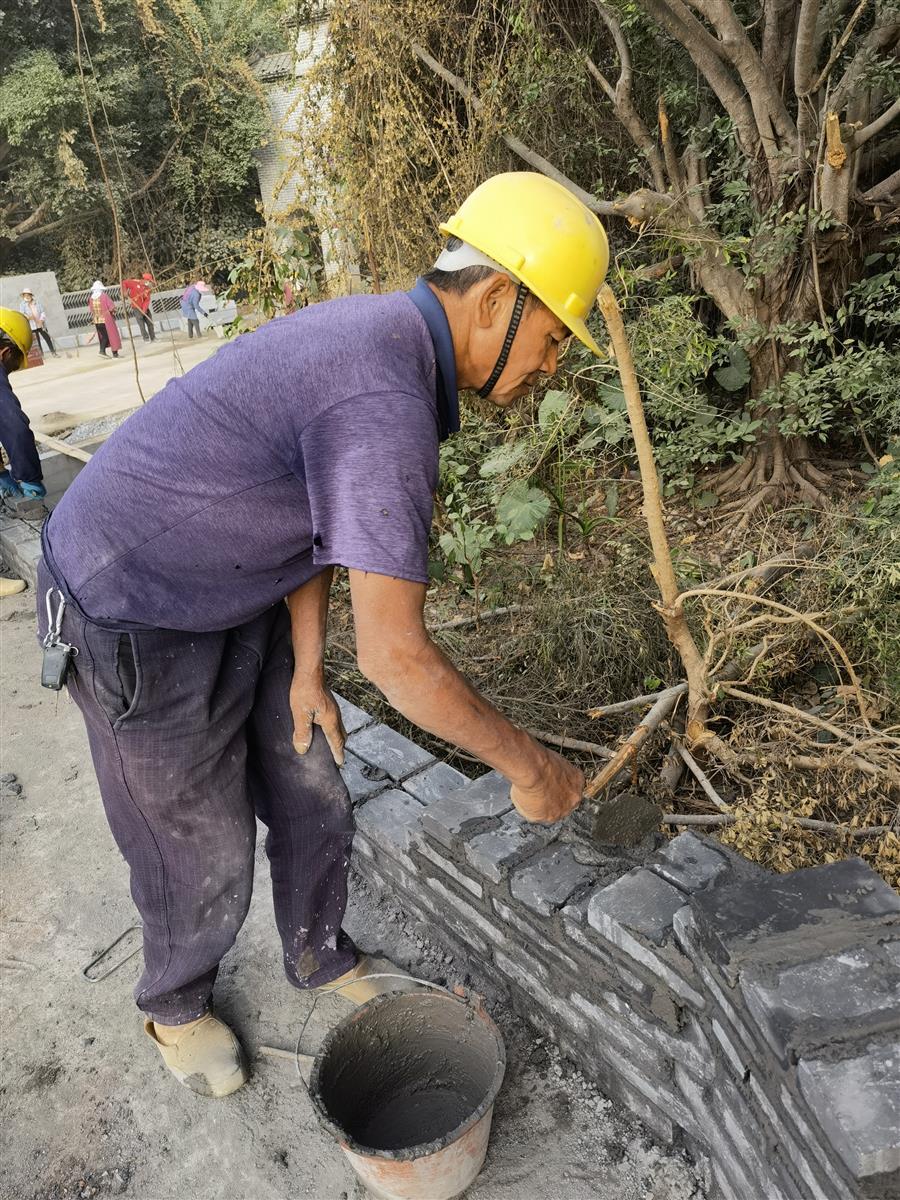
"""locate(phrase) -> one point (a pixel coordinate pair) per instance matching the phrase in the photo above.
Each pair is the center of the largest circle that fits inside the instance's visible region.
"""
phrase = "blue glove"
(9, 487)
(33, 491)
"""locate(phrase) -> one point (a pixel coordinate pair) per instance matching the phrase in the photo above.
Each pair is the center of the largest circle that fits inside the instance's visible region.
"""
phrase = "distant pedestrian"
(190, 306)
(138, 292)
(32, 308)
(104, 318)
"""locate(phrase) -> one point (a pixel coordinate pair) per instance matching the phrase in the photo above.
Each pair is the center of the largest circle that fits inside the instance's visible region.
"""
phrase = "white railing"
(79, 317)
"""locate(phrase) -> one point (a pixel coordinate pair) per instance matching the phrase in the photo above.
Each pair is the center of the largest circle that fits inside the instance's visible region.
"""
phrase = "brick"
(390, 820)
(639, 1054)
(354, 718)
(738, 1060)
(802, 1008)
(856, 1101)
(635, 914)
(689, 862)
(548, 879)
(362, 780)
(679, 1049)
(817, 1147)
(496, 852)
(533, 936)
(488, 928)
(526, 977)
(650, 1086)
(776, 918)
(466, 881)
(381, 746)
(467, 810)
(434, 782)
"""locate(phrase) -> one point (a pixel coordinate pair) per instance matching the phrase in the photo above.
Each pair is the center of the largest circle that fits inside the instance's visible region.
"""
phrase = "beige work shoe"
(11, 587)
(206, 1056)
(358, 987)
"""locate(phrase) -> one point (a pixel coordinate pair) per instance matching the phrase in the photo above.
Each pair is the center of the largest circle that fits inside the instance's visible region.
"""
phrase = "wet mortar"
(406, 1073)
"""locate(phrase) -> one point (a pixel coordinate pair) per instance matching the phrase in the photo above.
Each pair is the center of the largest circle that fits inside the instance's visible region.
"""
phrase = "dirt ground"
(87, 1108)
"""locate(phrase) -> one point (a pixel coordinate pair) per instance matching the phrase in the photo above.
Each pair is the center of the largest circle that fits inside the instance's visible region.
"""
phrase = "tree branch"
(886, 189)
(705, 53)
(621, 97)
(838, 49)
(641, 206)
(877, 39)
(805, 46)
(874, 127)
(768, 107)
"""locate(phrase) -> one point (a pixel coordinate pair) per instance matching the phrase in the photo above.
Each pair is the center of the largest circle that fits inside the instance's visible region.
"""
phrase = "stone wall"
(752, 1017)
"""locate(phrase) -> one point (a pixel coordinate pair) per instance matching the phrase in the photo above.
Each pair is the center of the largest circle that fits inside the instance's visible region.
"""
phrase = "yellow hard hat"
(544, 236)
(17, 328)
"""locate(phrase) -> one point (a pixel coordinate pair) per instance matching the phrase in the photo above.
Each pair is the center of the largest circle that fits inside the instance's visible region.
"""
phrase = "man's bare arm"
(397, 655)
(311, 701)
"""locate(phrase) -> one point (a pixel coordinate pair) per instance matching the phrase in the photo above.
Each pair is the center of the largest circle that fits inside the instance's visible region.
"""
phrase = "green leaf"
(737, 374)
(612, 499)
(707, 500)
(521, 510)
(502, 459)
(613, 397)
(552, 407)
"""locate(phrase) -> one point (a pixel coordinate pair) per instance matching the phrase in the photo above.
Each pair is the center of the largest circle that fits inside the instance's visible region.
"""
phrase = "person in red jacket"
(137, 294)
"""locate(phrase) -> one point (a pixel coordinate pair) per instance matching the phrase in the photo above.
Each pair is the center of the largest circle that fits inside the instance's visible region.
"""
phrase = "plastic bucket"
(406, 1086)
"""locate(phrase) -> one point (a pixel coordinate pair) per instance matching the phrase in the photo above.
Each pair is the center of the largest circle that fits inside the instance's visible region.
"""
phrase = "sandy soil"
(87, 1107)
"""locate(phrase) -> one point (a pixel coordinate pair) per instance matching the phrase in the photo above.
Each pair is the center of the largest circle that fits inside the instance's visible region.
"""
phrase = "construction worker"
(24, 477)
(195, 556)
(137, 293)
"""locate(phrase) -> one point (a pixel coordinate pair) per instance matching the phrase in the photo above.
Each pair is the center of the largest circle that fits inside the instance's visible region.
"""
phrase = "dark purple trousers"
(190, 734)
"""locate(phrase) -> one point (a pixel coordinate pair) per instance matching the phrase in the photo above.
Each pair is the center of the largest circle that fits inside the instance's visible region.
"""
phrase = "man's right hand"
(556, 790)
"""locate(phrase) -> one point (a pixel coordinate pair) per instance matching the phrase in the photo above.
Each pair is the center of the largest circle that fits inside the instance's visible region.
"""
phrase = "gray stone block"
(390, 820)
(548, 879)
(856, 1101)
(791, 918)
(449, 868)
(434, 782)
(801, 1008)
(635, 914)
(467, 810)
(667, 1045)
(640, 902)
(362, 780)
(381, 746)
(354, 718)
(689, 862)
(497, 851)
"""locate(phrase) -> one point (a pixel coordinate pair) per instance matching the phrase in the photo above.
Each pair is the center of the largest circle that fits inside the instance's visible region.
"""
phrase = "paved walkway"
(82, 385)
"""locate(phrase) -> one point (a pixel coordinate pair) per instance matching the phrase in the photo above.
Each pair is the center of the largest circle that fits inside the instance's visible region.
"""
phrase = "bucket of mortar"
(406, 1086)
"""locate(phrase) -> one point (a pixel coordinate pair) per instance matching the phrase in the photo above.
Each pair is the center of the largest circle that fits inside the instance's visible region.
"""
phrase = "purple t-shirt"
(311, 442)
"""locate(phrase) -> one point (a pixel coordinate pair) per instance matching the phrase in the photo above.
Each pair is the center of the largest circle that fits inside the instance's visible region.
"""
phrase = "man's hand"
(557, 790)
(313, 704)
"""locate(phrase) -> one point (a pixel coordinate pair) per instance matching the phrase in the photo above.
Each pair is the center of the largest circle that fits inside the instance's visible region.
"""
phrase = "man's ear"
(493, 300)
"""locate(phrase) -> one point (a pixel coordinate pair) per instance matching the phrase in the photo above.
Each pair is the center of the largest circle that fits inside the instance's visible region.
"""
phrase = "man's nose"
(548, 366)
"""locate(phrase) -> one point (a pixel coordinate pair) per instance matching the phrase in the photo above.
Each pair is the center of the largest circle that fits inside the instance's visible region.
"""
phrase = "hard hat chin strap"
(518, 306)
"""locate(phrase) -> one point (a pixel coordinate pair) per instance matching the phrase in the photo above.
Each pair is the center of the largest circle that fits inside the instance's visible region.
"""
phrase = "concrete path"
(80, 384)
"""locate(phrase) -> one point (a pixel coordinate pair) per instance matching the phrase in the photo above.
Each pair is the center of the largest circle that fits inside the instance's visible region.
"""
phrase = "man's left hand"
(313, 704)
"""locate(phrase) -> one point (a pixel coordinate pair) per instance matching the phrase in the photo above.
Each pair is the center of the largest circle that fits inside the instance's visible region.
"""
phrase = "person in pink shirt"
(104, 318)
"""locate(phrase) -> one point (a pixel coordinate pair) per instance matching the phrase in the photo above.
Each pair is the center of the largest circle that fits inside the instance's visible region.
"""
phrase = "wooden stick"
(487, 615)
(803, 822)
(623, 706)
(694, 767)
(627, 752)
(567, 743)
(290, 1055)
(671, 610)
(63, 447)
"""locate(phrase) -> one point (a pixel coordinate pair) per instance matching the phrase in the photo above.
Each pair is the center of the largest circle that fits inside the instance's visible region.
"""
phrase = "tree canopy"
(176, 111)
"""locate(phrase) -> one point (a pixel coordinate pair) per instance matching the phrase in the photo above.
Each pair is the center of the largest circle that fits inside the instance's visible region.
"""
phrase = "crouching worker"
(198, 610)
